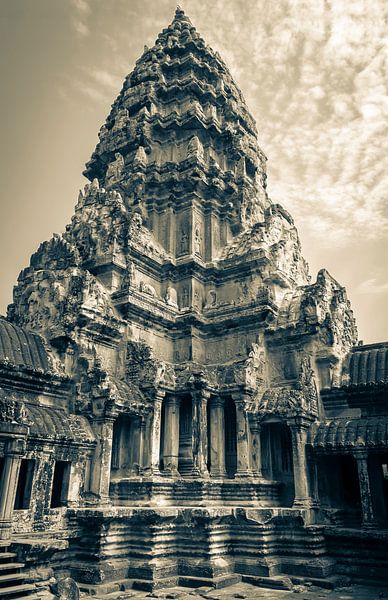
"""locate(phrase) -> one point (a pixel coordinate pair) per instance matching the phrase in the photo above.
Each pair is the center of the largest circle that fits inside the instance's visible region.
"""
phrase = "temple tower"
(181, 308)
(181, 147)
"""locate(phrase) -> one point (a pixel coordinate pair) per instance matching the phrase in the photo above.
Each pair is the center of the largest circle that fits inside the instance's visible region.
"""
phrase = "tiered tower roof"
(180, 132)
(175, 256)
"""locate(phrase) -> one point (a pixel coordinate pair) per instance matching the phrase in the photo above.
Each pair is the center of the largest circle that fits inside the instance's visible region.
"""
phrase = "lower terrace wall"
(360, 554)
(161, 546)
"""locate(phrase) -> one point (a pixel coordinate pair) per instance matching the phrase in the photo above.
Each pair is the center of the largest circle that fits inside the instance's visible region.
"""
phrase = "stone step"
(276, 582)
(145, 585)
(11, 577)
(377, 582)
(328, 583)
(22, 591)
(7, 556)
(11, 565)
(219, 582)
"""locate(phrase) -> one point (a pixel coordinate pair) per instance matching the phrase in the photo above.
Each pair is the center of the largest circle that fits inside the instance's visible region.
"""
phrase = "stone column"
(200, 428)
(142, 426)
(136, 450)
(217, 437)
(256, 449)
(242, 430)
(368, 517)
(102, 459)
(313, 474)
(299, 432)
(8, 484)
(171, 435)
(155, 432)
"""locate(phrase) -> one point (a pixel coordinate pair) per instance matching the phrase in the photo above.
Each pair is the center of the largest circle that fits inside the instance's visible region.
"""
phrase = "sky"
(313, 73)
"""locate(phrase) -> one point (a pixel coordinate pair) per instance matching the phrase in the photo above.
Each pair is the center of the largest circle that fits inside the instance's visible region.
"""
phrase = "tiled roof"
(55, 424)
(369, 364)
(336, 434)
(22, 348)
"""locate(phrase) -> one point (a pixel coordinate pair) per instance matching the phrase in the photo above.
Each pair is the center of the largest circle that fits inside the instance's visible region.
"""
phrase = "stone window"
(24, 486)
(60, 486)
(250, 168)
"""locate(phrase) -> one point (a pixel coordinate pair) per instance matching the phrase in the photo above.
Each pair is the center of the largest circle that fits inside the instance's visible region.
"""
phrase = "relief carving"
(211, 299)
(171, 297)
(184, 240)
(148, 289)
(13, 411)
(121, 119)
(185, 296)
(115, 169)
(198, 239)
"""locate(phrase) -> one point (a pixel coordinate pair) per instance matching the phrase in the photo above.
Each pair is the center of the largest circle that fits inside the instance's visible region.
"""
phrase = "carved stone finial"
(140, 155)
(195, 148)
(181, 16)
(95, 185)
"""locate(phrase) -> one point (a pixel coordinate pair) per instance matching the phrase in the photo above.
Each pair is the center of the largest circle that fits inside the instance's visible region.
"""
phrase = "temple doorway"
(185, 461)
(378, 477)
(230, 438)
(276, 449)
(339, 489)
(124, 451)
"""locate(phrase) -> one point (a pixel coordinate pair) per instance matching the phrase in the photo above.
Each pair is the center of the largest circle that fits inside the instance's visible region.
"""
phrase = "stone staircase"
(12, 585)
(361, 554)
(185, 491)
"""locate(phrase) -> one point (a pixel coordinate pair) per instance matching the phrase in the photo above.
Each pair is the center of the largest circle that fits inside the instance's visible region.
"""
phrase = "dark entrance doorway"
(230, 438)
(276, 449)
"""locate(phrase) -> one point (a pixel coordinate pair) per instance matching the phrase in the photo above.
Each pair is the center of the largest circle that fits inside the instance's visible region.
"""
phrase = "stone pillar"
(8, 484)
(217, 437)
(256, 449)
(376, 480)
(136, 450)
(142, 426)
(200, 428)
(171, 435)
(313, 475)
(299, 432)
(147, 441)
(155, 432)
(102, 459)
(242, 430)
(368, 517)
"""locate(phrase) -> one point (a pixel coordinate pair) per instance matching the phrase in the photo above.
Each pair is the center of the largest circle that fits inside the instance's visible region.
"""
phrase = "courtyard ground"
(249, 592)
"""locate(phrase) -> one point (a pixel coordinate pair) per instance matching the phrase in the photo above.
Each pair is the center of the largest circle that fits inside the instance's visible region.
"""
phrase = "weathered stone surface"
(67, 589)
(179, 403)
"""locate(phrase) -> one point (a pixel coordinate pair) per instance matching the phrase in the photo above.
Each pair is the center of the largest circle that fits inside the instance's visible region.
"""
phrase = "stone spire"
(179, 135)
(175, 247)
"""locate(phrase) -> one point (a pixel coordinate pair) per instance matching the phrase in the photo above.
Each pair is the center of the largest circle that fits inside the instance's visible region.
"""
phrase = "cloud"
(372, 286)
(106, 79)
(82, 6)
(92, 92)
(82, 10)
(81, 28)
(314, 77)
(98, 85)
